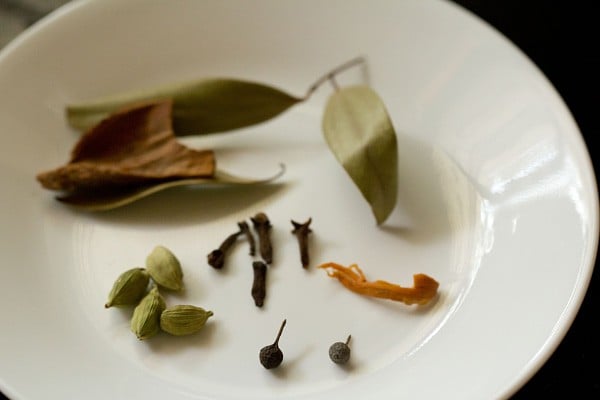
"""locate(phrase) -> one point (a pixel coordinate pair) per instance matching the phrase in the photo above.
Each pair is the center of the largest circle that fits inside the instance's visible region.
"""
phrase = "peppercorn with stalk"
(271, 356)
(339, 352)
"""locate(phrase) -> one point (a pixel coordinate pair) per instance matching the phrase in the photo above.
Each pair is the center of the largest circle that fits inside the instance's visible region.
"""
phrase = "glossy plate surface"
(497, 201)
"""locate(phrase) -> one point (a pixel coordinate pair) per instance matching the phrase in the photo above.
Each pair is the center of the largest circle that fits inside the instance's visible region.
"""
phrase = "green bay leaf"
(199, 107)
(359, 132)
(111, 199)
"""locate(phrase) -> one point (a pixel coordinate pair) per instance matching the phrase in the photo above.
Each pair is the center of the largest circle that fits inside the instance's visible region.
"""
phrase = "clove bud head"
(216, 258)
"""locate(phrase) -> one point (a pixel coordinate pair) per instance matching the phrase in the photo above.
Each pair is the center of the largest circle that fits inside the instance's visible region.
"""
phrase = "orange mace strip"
(352, 277)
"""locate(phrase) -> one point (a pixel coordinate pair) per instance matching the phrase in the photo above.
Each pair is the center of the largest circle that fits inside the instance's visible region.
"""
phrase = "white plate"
(497, 201)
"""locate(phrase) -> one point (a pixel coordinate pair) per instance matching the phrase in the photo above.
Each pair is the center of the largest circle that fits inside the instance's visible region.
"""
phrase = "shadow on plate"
(435, 197)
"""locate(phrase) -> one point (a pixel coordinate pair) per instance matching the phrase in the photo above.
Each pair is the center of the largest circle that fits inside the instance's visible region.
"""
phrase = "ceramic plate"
(497, 201)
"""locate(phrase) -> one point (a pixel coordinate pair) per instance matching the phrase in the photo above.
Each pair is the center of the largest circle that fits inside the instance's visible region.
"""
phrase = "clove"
(301, 231)
(262, 226)
(216, 258)
(245, 229)
(259, 288)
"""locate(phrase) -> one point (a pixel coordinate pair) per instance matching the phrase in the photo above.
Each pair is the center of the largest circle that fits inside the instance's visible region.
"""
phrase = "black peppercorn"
(271, 356)
(339, 352)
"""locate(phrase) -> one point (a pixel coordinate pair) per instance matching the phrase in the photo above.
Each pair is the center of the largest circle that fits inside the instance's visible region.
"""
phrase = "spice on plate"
(129, 288)
(246, 230)
(183, 320)
(352, 277)
(145, 321)
(262, 225)
(216, 258)
(259, 284)
(302, 231)
(271, 356)
(164, 268)
(132, 147)
(339, 352)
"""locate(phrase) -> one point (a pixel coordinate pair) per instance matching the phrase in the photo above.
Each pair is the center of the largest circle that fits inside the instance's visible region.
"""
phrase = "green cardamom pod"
(183, 319)
(129, 288)
(145, 321)
(164, 268)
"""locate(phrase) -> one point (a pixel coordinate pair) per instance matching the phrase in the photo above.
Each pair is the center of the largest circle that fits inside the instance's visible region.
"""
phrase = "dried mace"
(301, 231)
(271, 356)
(259, 284)
(339, 352)
(423, 291)
(262, 226)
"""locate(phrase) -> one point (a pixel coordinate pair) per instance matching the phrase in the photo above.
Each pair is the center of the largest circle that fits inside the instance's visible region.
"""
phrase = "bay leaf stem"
(329, 76)
(334, 83)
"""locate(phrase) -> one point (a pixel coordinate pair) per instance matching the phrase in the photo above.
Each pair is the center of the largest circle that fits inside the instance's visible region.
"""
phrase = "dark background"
(563, 39)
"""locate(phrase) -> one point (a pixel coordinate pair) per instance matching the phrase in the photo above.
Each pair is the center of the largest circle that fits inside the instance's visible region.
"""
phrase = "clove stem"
(246, 231)
(262, 225)
(259, 284)
(216, 258)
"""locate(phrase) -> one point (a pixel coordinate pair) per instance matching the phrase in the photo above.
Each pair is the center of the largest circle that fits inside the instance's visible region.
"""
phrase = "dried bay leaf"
(356, 126)
(111, 199)
(359, 132)
(199, 107)
(130, 155)
(133, 146)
